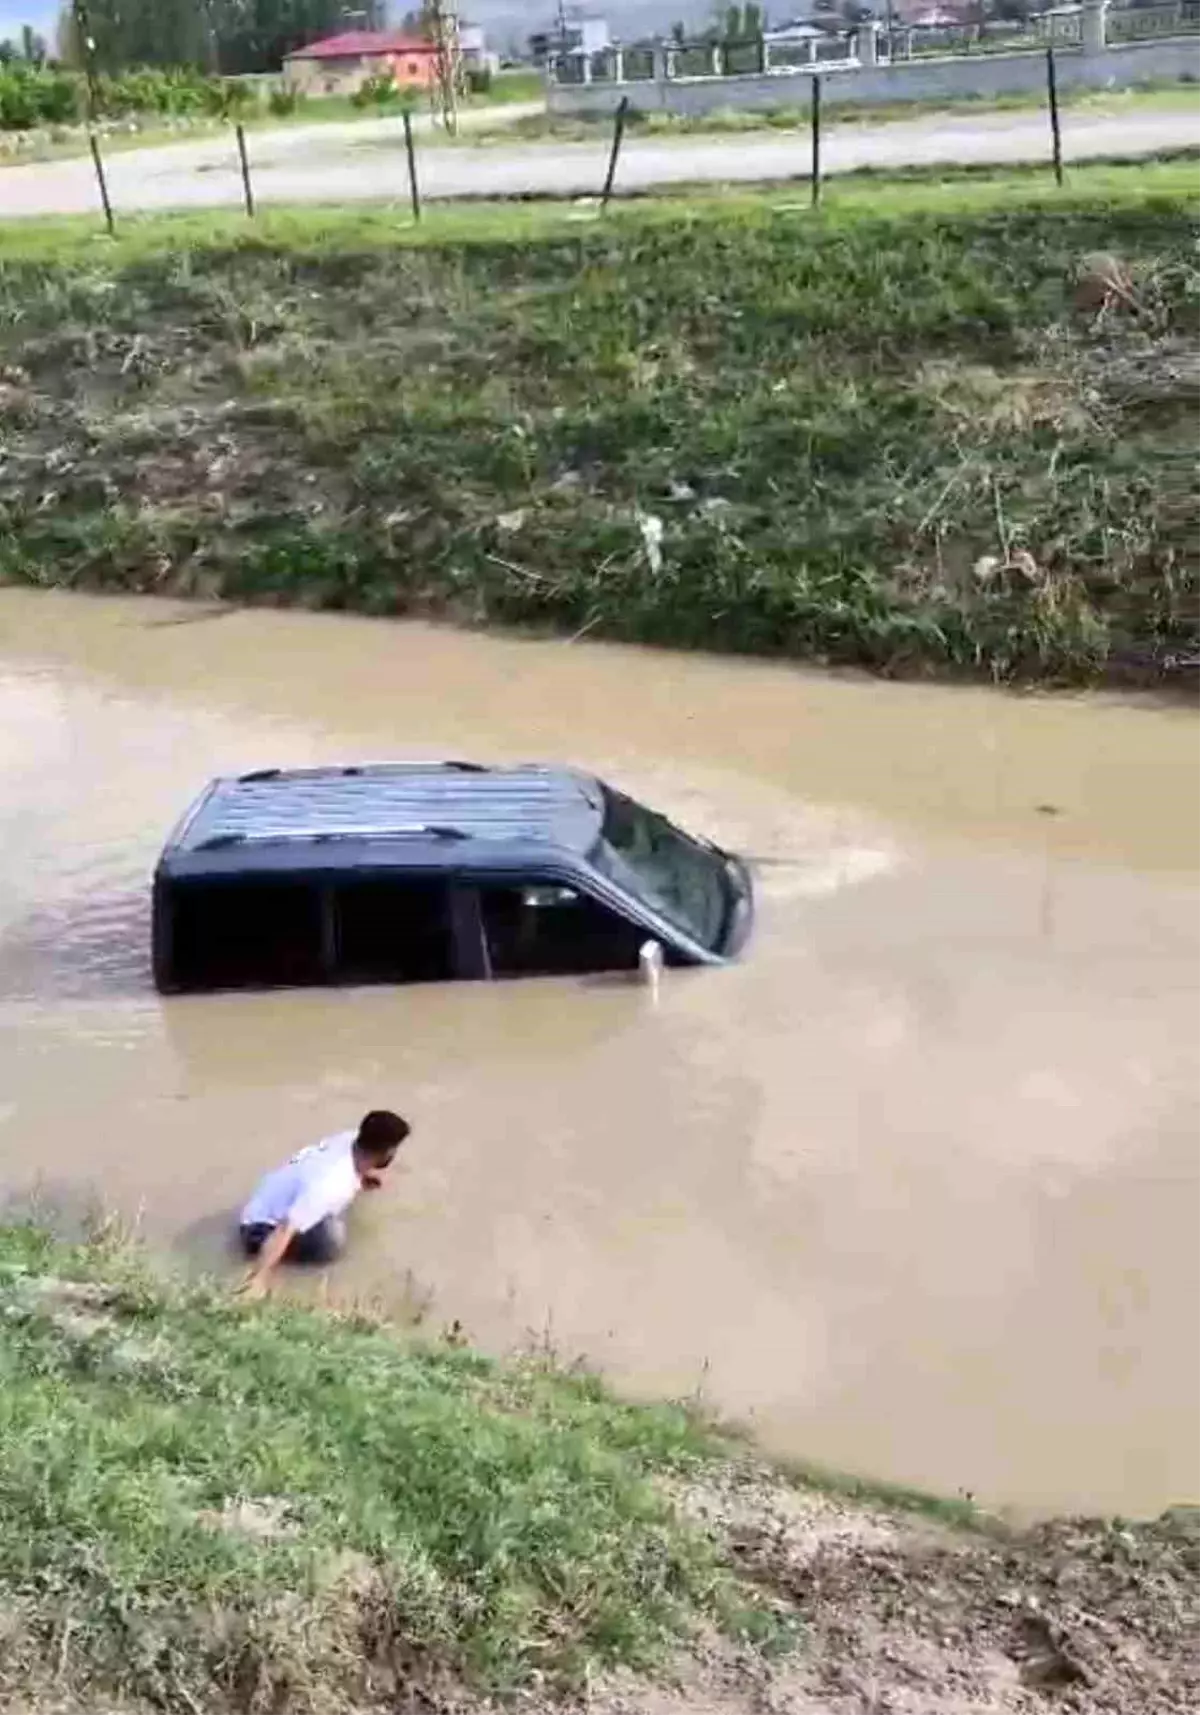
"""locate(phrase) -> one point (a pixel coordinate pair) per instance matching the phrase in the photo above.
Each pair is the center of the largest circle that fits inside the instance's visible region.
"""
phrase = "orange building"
(341, 64)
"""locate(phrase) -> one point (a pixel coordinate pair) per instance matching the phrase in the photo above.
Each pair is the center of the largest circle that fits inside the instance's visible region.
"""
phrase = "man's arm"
(267, 1261)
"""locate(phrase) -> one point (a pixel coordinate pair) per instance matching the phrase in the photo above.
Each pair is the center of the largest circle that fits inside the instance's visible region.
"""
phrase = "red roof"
(355, 43)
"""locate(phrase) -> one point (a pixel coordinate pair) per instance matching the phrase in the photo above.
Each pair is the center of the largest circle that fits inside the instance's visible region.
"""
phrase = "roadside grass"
(916, 431)
(149, 131)
(208, 1506)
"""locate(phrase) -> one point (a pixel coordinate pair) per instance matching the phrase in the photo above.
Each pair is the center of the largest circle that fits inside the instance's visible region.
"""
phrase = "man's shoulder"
(335, 1154)
(338, 1142)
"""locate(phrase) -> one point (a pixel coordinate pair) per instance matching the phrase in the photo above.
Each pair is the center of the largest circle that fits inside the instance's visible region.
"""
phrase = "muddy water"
(913, 1189)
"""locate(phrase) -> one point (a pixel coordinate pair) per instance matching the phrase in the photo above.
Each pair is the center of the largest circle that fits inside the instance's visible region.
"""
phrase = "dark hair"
(381, 1134)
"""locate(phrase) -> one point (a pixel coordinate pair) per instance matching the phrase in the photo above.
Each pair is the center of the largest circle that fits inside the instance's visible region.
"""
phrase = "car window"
(678, 876)
(392, 930)
(260, 932)
(545, 930)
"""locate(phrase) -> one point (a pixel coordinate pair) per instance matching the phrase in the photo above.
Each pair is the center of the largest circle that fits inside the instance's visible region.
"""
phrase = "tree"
(741, 23)
(230, 36)
(135, 32)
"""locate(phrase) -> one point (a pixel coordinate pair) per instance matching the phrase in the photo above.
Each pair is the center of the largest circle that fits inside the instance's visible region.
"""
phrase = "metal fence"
(711, 58)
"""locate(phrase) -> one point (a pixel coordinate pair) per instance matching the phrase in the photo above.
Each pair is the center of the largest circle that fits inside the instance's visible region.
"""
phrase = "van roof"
(406, 804)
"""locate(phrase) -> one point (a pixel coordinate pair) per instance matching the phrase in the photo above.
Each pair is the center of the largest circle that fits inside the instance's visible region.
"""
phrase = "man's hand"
(270, 1256)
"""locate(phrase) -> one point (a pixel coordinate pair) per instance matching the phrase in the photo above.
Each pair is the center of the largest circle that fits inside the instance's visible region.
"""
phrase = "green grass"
(879, 435)
(148, 131)
(210, 1506)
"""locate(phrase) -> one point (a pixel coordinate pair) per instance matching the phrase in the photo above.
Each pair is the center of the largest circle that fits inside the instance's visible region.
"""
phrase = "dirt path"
(365, 161)
(902, 1615)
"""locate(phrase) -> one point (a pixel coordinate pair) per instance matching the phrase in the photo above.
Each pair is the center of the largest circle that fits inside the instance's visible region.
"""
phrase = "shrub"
(32, 95)
(376, 91)
(283, 101)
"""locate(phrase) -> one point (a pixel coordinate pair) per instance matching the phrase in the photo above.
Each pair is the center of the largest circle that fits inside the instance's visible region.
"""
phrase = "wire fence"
(814, 144)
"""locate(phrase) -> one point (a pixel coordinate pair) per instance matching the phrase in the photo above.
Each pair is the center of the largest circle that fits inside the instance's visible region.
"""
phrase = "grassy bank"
(209, 1506)
(197, 1501)
(922, 430)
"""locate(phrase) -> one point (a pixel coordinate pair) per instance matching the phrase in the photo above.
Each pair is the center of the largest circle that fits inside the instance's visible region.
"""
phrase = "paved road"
(365, 161)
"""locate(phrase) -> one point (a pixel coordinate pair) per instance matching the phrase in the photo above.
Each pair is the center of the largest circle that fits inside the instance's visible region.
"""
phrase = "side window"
(391, 930)
(542, 931)
(256, 933)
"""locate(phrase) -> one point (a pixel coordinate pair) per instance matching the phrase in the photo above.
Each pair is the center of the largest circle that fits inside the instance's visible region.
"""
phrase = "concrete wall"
(909, 80)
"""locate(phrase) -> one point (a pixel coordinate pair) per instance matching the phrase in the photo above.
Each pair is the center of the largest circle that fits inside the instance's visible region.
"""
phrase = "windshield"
(682, 879)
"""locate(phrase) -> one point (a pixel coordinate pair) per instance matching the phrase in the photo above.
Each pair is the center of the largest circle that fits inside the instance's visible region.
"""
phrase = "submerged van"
(423, 872)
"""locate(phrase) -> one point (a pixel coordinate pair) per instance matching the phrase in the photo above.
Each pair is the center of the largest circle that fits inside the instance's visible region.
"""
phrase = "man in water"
(296, 1213)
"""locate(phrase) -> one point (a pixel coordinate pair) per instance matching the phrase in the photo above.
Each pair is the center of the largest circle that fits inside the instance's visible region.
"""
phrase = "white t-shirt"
(321, 1180)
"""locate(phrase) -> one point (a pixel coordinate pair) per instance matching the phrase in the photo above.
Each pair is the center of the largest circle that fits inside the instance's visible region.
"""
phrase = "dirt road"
(365, 161)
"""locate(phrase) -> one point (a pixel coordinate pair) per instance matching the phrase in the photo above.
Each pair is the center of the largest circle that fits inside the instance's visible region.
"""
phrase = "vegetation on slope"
(199, 1501)
(926, 430)
(206, 1505)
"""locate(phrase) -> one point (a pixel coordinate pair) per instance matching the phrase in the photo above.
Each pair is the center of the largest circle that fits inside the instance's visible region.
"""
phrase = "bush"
(238, 97)
(32, 95)
(283, 101)
(376, 91)
(479, 80)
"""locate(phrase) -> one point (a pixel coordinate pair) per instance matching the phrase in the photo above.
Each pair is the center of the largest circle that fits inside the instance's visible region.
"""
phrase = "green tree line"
(232, 37)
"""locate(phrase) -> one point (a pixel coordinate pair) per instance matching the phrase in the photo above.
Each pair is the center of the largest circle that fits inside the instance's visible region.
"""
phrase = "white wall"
(909, 80)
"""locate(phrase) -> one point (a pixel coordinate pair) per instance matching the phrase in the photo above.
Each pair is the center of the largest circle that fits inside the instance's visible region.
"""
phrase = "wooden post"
(87, 43)
(94, 141)
(815, 116)
(414, 189)
(618, 134)
(247, 189)
(1055, 126)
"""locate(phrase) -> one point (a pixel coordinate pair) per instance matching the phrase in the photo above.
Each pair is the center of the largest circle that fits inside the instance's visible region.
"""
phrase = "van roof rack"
(405, 802)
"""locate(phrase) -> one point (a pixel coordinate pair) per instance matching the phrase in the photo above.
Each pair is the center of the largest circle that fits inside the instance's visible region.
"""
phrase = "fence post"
(618, 134)
(815, 119)
(247, 189)
(414, 189)
(1055, 126)
(94, 142)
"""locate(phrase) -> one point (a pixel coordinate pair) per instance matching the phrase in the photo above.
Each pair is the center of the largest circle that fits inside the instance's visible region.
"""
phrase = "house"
(473, 51)
(579, 37)
(340, 65)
